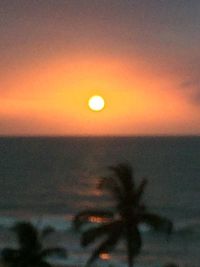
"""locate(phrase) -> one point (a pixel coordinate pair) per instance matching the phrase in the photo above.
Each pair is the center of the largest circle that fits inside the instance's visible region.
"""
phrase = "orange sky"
(145, 92)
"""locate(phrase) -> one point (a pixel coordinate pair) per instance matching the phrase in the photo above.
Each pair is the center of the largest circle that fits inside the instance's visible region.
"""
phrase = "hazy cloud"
(192, 90)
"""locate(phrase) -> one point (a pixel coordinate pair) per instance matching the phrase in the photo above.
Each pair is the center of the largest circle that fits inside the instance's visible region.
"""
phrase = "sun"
(96, 103)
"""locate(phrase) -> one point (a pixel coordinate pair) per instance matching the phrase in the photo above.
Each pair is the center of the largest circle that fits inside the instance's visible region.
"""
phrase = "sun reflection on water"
(96, 219)
(105, 256)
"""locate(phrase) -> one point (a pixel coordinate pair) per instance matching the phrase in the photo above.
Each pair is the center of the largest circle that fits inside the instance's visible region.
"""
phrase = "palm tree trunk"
(129, 249)
(130, 261)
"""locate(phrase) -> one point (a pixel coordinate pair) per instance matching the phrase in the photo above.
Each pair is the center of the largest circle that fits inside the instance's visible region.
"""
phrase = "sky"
(142, 56)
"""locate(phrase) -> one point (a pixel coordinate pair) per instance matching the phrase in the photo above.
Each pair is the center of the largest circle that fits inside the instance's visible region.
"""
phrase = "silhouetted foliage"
(170, 265)
(129, 213)
(30, 252)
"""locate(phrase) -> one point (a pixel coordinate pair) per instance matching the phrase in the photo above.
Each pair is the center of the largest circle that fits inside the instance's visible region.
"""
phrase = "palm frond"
(27, 235)
(139, 192)
(94, 233)
(89, 216)
(53, 251)
(157, 222)
(124, 173)
(112, 186)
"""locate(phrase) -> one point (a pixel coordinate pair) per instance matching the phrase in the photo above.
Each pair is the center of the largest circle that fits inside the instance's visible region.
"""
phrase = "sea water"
(48, 180)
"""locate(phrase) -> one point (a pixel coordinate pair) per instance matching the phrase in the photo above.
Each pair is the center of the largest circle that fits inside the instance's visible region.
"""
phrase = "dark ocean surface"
(48, 180)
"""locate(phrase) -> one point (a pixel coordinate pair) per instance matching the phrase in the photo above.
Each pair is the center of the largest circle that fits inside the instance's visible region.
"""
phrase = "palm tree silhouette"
(129, 213)
(30, 252)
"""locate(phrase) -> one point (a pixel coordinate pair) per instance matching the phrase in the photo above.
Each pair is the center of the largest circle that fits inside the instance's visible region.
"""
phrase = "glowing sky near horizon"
(143, 57)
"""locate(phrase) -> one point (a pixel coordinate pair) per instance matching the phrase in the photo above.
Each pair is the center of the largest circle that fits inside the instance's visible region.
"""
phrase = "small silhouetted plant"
(30, 252)
(123, 222)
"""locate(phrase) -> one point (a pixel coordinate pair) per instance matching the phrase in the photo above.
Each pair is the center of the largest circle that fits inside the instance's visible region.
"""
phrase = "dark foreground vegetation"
(123, 221)
(30, 252)
(118, 223)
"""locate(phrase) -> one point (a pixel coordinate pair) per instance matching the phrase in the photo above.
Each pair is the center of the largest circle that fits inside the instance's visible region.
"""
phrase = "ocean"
(47, 180)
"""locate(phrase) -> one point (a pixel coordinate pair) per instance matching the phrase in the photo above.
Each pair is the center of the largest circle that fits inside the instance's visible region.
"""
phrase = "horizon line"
(94, 136)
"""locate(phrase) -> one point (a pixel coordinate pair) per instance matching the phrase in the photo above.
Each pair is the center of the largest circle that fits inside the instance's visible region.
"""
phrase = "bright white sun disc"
(96, 103)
